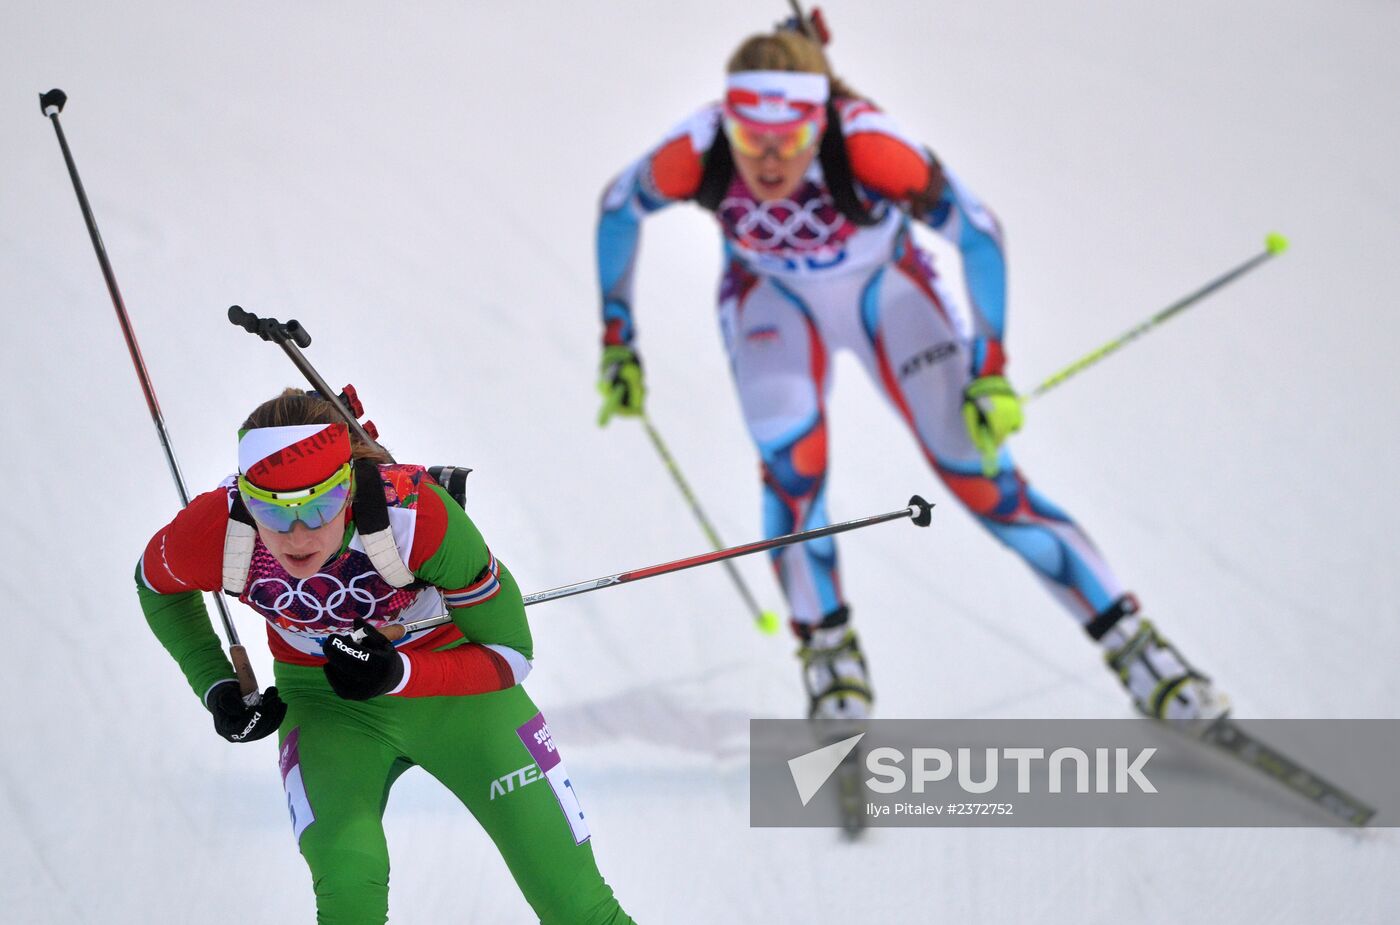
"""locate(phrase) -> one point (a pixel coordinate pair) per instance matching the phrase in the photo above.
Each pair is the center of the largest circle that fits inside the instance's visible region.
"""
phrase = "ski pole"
(1274, 244)
(765, 620)
(51, 104)
(918, 510)
(291, 337)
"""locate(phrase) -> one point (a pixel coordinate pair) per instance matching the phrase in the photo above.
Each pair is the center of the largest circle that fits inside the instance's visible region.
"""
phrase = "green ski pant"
(339, 758)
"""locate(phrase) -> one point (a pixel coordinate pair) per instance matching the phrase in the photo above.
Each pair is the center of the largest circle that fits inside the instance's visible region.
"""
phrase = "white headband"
(262, 442)
(775, 97)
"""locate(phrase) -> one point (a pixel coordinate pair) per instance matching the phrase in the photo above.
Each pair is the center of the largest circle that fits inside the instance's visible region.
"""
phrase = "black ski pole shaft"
(291, 336)
(918, 510)
(51, 104)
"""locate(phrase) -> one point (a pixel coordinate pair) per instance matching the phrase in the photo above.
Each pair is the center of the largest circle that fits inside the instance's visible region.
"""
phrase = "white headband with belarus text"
(262, 442)
(775, 97)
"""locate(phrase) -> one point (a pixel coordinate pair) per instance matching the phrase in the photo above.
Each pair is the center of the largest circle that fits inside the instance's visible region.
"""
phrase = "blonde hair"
(295, 406)
(785, 50)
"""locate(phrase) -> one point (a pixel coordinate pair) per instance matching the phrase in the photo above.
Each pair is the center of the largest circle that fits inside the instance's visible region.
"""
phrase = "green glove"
(992, 412)
(620, 383)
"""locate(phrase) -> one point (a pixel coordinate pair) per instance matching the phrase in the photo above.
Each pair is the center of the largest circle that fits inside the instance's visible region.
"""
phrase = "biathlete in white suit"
(814, 188)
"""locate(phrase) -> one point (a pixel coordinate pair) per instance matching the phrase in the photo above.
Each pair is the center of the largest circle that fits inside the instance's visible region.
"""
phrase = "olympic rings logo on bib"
(323, 600)
(784, 223)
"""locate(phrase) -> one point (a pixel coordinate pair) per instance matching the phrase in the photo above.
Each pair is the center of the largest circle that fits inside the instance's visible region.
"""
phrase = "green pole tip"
(768, 623)
(1275, 242)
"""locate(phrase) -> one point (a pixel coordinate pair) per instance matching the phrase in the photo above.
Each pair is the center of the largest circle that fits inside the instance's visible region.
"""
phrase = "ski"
(1226, 736)
(850, 792)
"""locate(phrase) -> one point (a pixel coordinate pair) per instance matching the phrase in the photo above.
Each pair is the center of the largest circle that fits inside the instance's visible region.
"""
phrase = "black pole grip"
(243, 319)
(54, 100)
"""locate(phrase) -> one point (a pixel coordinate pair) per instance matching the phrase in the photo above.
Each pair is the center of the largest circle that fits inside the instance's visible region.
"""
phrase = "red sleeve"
(887, 165)
(468, 669)
(676, 169)
(430, 525)
(187, 554)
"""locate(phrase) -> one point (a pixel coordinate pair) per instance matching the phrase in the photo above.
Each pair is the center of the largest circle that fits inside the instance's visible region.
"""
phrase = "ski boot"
(833, 669)
(1161, 682)
(839, 699)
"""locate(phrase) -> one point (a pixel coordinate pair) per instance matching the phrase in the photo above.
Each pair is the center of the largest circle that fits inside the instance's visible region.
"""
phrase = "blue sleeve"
(970, 226)
(626, 202)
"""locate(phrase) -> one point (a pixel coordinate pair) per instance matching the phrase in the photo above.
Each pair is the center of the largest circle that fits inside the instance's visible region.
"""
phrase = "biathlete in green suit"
(284, 536)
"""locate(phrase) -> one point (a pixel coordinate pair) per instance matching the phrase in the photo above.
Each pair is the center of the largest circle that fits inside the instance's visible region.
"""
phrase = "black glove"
(238, 722)
(361, 670)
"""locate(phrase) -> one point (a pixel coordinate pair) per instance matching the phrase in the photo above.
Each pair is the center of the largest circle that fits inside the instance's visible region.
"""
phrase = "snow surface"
(417, 183)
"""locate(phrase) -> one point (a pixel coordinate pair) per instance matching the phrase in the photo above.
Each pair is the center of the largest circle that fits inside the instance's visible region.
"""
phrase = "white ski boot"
(1161, 682)
(1163, 685)
(835, 675)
